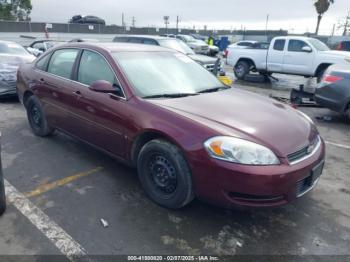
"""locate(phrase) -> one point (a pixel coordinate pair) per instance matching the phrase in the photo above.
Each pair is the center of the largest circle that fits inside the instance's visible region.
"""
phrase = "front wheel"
(36, 118)
(241, 70)
(2, 196)
(320, 75)
(165, 175)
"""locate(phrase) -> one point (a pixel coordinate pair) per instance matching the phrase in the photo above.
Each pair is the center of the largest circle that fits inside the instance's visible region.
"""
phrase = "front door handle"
(78, 94)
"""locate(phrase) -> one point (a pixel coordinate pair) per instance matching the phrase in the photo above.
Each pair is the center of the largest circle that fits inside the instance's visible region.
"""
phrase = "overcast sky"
(293, 15)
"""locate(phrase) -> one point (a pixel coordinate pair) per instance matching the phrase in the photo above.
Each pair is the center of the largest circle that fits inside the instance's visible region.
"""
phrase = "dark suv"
(343, 46)
(172, 43)
(89, 19)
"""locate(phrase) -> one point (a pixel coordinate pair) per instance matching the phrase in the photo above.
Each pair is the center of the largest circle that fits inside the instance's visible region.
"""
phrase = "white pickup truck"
(293, 55)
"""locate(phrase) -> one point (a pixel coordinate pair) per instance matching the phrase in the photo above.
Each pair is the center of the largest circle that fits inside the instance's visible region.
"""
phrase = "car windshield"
(188, 38)
(318, 45)
(165, 73)
(177, 45)
(12, 49)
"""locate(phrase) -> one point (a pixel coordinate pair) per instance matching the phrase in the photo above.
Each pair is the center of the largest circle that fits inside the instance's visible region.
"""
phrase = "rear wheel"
(164, 174)
(36, 117)
(241, 70)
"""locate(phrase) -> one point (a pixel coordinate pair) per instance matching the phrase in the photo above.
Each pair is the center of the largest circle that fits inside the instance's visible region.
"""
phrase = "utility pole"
(123, 21)
(267, 23)
(133, 21)
(166, 22)
(177, 23)
(346, 24)
(333, 30)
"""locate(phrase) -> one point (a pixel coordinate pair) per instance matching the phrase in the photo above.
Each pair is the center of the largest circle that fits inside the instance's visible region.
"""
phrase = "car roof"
(247, 41)
(118, 47)
(305, 38)
(155, 37)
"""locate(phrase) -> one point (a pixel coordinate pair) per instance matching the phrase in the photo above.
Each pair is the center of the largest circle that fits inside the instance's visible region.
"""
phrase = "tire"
(2, 196)
(320, 74)
(241, 70)
(2, 187)
(164, 174)
(36, 118)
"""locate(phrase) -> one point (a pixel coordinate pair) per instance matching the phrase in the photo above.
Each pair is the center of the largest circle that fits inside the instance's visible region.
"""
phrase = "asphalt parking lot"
(76, 186)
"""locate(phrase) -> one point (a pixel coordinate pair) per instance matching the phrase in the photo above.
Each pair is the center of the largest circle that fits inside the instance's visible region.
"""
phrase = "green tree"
(15, 10)
(322, 7)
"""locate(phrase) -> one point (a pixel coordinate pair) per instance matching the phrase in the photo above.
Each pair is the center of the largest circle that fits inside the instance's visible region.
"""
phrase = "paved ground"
(76, 186)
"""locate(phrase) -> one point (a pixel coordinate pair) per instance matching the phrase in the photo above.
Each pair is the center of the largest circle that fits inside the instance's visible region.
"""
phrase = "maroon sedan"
(187, 134)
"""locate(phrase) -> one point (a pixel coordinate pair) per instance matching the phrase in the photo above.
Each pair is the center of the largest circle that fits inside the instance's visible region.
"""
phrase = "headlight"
(240, 151)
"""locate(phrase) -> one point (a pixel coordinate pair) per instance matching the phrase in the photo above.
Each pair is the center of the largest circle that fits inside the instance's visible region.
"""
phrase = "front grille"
(304, 152)
(304, 185)
(211, 67)
(298, 155)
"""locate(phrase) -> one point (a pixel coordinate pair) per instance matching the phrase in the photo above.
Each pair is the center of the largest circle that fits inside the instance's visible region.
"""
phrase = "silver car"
(12, 55)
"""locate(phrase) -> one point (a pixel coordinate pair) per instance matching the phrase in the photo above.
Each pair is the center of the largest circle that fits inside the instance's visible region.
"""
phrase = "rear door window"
(279, 45)
(135, 40)
(149, 42)
(62, 62)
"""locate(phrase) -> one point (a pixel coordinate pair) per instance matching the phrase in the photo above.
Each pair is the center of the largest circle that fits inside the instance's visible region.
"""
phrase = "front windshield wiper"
(176, 95)
(215, 89)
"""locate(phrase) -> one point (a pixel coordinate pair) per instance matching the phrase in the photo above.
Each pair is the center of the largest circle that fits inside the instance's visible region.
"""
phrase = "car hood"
(198, 44)
(15, 60)
(336, 53)
(203, 59)
(248, 116)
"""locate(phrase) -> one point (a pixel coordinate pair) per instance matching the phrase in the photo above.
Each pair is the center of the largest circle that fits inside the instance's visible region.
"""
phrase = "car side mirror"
(307, 49)
(103, 86)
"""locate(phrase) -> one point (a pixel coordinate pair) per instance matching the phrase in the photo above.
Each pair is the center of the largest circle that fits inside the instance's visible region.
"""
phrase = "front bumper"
(231, 185)
(332, 97)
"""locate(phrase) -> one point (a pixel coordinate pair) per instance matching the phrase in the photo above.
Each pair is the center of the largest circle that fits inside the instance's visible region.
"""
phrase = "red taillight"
(226, 53)
(329, 79)
(340, 46)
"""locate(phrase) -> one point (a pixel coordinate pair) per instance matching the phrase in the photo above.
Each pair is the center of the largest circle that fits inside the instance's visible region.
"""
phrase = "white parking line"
(338, 145)
(60, 238)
